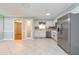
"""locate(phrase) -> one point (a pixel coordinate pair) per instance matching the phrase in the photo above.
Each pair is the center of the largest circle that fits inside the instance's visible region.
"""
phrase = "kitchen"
(45, 29)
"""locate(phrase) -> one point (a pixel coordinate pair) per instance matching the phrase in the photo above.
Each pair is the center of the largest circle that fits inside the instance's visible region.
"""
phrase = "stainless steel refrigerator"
(68, 33)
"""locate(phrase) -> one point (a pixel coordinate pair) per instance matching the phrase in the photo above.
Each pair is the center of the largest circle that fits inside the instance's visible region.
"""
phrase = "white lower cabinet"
(40, 33)
(54, 35)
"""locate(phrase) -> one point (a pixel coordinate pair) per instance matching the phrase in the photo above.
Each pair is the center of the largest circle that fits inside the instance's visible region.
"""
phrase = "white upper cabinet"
(49, 23)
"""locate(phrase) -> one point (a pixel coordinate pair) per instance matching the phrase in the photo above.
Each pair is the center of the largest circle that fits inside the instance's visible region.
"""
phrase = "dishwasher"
(48, 34)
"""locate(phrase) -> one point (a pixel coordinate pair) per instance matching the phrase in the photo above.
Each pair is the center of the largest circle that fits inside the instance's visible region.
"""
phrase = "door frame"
(14, 20)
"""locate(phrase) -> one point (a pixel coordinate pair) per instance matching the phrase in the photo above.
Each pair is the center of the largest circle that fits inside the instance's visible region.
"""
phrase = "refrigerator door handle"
(58, 29)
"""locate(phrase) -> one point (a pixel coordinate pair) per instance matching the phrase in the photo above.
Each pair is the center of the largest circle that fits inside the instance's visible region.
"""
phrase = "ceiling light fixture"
(47, 14)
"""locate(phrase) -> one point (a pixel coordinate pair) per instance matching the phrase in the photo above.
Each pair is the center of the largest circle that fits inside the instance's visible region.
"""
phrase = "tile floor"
(30, 47)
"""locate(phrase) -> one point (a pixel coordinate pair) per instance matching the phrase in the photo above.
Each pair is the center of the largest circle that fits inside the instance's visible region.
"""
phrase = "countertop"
(45, 30)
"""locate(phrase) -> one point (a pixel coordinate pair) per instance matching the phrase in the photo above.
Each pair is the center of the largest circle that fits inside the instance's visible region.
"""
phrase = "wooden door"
(18, 31)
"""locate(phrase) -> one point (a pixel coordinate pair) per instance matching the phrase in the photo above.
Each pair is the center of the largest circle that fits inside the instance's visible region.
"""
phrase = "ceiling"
(35, 10)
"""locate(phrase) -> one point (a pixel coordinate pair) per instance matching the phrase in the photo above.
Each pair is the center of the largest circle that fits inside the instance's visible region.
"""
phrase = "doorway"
(18, 30)
(28, 30)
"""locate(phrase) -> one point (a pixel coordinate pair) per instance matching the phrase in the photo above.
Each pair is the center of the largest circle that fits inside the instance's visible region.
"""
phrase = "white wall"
(8, 28)
(24, 29)
(1, 27)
